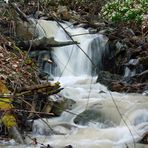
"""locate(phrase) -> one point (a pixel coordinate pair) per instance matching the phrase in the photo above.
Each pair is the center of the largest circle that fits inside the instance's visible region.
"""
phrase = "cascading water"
(70, 60)
(94, 121)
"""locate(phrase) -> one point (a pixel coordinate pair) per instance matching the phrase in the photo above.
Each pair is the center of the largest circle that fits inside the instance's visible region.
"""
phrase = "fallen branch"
(35, 112)
(143, 73)
(141, 76)
(49, 92)
(21, 14)
(55, 91)
(44, 43)
(40, 86)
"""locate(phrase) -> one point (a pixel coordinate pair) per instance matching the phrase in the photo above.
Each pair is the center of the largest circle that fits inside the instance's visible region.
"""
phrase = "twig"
(35, 112)
(22, 15)
(40, 86)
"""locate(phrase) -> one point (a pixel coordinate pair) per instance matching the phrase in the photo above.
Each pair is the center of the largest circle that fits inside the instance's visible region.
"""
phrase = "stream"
(99, 118)
(101, 126)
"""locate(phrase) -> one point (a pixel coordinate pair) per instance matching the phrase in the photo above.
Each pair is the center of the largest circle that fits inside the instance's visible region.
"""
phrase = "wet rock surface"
(105, 78)
(127, 59)
(93, 116)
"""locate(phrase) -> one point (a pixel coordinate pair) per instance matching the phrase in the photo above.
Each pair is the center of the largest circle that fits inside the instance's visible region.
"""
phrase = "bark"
(45, 43)
(21, 14)
(48, 85)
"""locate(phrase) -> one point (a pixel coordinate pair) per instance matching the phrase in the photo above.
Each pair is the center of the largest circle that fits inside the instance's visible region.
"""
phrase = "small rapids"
(94, 120)
(101, 126)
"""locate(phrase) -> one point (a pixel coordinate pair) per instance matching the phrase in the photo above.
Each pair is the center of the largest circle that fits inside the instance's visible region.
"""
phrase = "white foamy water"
(112, 131)
(101, 125)
(71, 60)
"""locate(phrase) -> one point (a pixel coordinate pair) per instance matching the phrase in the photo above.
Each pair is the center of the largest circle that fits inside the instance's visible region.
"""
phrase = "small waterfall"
(102, 123)
(70, 60)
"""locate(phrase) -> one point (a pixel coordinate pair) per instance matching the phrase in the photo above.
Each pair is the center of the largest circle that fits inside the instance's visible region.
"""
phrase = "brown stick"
(21, 14)
(45, 43)
(35, 112)
(40, 86)
(52, 91)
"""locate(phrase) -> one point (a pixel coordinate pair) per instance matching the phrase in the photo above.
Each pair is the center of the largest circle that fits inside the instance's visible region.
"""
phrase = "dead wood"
(124, 87)
(45, 43)
(141, 76)
(48, 85)
(54, 91)
(35, 112)
(21, 14)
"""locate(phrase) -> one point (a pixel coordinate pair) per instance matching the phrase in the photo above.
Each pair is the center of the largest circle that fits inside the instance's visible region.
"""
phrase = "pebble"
(145, 93)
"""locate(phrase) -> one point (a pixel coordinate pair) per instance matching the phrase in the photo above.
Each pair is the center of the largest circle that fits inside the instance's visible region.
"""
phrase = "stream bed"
(99, 118)
(94, 121)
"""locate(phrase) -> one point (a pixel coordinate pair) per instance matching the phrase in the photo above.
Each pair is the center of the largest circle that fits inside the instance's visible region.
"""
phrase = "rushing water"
(99, 124)
(107, 129)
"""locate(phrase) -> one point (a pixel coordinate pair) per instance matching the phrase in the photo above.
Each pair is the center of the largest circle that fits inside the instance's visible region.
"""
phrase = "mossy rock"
(87, 116)
(93, 116)
(62, 105)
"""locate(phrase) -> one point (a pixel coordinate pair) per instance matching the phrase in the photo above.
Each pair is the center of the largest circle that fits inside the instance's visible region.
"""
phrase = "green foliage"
(125, 10)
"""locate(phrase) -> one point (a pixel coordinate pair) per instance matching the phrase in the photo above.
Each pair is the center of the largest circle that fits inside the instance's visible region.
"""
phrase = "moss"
(5, 105)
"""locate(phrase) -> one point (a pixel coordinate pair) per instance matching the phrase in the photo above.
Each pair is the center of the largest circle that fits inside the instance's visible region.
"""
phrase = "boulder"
(88, 115)
(98, 115)
(105, 77)
(60, 104)
(63, 13)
